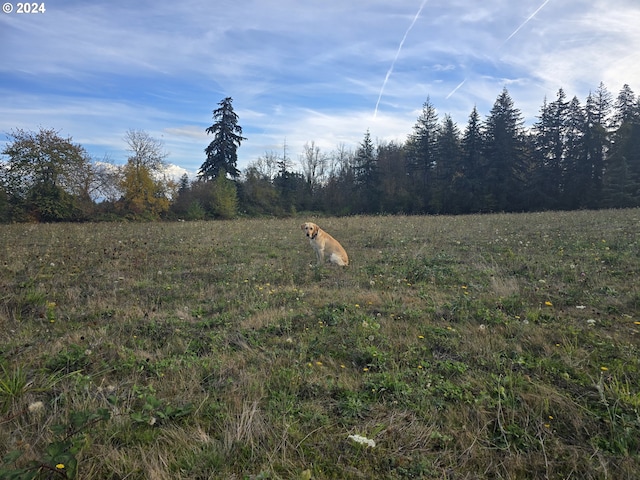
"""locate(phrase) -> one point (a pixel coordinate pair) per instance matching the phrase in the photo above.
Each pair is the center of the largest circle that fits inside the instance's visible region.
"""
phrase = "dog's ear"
(303, 225)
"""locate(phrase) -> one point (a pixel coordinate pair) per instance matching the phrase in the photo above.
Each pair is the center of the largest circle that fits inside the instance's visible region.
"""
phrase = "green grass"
(494, 346)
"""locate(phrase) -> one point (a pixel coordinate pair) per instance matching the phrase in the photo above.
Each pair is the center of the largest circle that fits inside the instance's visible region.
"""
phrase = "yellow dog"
(323, 243)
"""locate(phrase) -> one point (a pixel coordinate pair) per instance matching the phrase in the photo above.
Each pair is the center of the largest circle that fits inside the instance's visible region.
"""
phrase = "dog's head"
(310, 229)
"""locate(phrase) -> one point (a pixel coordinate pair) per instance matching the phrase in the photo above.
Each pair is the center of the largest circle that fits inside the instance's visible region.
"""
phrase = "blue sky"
(299, 71)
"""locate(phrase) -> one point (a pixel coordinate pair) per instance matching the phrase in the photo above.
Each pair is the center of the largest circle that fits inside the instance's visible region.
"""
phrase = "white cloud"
(175, 173)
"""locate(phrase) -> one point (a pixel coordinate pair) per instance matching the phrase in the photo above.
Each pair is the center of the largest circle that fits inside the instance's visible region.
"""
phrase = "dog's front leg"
(320, 256)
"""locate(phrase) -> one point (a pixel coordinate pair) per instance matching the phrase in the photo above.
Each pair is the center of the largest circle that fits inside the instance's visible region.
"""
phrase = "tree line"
(574, 156)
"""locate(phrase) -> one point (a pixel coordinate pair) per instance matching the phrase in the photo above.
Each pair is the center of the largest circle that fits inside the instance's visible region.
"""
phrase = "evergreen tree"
(623, 165)
(446, 169)
(470, 178)
(596, 140)
(620, 189)
(624, 108)
(183, 199)
(503, 150)
(224, 197)
(285, 181)
(222, 152)
(577, 183)
(366, 176)
(421, 152)
(394, 184)
(550, 152)
(557, 145)
(538, 184)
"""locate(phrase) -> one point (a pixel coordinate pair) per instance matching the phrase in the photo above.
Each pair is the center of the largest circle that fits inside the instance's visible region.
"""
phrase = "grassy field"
(494, 346)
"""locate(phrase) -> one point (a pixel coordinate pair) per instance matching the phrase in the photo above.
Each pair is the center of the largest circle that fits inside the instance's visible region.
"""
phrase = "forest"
(575, 155)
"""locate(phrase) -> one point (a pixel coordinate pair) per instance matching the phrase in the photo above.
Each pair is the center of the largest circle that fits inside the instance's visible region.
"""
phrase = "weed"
(59, 458)
(13, 386)
(73, 358)
(150, 410)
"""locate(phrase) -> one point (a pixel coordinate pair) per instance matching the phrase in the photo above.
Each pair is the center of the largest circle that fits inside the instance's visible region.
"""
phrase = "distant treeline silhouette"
(574, 156)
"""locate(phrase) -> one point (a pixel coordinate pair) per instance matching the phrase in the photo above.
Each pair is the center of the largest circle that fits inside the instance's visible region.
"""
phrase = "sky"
(298, 71)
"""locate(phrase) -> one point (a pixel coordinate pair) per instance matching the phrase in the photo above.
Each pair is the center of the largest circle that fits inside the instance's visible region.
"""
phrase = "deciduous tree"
(46, 175)
(314, 165)
(144, 190)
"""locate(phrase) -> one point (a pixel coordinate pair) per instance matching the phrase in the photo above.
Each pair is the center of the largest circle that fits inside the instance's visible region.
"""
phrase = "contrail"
(455, 89)
(525, 22)
(386, 78)
(503, 43)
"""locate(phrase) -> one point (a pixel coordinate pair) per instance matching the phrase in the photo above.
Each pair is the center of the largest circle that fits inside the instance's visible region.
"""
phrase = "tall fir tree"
(472, 165)
(550, 152)
(222, 152)
(446, 168)
(596, 140)
(558, 145)
(623, 165)
(366, 176)
(541, 151)
(504, 152)
(577, 183)
(421, 152)
(624, 107)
